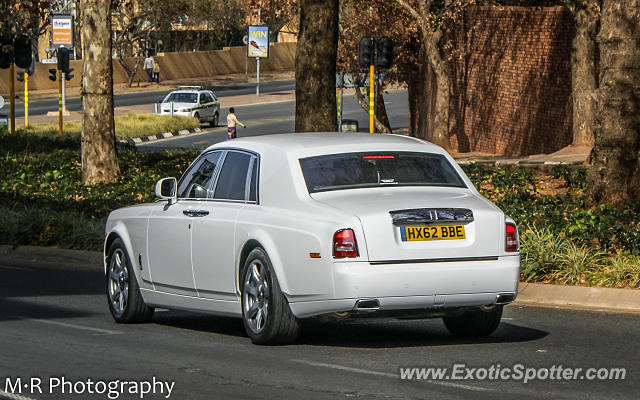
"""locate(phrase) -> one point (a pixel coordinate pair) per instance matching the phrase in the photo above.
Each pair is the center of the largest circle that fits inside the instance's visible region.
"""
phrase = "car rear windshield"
(178, 97)
(363, 170)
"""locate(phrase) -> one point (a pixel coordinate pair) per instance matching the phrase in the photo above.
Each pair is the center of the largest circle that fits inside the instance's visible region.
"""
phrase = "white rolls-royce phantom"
(278, 228)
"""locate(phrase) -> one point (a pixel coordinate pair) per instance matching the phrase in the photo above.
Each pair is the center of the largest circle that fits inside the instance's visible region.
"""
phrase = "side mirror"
(166, 189)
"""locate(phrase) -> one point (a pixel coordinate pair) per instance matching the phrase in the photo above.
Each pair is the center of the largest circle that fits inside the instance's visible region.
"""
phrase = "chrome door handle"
(195, 213)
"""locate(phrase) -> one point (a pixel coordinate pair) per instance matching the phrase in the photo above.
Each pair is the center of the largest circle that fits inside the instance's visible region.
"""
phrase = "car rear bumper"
(423, 285)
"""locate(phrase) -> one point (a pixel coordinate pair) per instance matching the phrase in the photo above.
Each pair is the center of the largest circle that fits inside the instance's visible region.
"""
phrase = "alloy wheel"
(256, 296)
(118, 281)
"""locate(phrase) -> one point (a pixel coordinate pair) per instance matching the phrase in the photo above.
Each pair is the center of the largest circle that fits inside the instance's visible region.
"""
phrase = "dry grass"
(127, 126)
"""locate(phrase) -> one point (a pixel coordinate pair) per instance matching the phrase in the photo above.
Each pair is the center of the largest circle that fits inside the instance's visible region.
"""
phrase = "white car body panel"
(169, 248)
(205, 110)
(194, 263)
(215, 237)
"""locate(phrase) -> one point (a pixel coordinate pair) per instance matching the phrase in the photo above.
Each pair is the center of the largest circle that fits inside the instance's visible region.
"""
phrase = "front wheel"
(123, 294)
(474, 323)
(266, 313)
(197, 116)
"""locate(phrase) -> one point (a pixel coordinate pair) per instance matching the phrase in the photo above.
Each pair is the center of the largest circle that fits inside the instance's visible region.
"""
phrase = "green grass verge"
(127, 126)
(43, 202)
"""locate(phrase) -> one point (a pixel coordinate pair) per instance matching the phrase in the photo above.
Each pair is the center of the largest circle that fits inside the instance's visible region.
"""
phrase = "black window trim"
(214, 176)
(254, 157)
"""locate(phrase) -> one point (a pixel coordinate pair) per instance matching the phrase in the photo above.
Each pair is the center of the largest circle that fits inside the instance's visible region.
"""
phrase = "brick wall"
(511, 80)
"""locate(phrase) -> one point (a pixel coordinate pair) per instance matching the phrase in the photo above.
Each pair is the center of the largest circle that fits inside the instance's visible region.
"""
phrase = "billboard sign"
(62, 30)
(258, 46)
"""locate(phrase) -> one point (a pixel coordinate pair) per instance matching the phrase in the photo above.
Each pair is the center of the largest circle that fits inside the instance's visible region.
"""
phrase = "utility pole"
(26, 99)
(258, 65)
(60, 104)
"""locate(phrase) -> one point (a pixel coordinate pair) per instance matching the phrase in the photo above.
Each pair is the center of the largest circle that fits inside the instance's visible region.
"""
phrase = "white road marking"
(74, 326)
(12, 396)
(390, 375)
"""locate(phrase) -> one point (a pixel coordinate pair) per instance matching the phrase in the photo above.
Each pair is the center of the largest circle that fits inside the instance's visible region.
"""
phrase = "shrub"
(540, 250)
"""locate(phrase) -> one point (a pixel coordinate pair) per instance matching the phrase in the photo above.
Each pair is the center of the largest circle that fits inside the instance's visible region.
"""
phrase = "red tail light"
(344, 244)
(511, 242)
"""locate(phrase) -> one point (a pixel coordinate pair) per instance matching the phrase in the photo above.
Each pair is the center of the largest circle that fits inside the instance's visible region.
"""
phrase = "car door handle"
(195, 213)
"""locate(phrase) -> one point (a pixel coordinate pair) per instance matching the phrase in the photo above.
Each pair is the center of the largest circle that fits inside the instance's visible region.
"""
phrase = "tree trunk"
(421, 91)
(316, 53)
(440, 132)
(583, 71)
(99, 158)
(614, 176)
(78, 31)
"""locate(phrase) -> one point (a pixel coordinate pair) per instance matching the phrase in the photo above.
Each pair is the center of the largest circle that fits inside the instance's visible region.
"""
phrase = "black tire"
(474, 323)
(197, 116)
(279, 325)
(214, 121)
(123, 293)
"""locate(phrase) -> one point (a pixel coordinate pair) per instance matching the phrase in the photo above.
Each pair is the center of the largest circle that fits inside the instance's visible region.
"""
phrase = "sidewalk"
(533, 294)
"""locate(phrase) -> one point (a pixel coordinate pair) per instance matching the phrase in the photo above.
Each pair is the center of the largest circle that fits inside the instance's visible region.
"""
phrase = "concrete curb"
(49, 256)
(591, 298)
(535, 294)
(159, 136)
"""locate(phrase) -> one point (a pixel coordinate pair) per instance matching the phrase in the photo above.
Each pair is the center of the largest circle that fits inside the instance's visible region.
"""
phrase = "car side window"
(232, 183)
(205, 98)
(195, 183)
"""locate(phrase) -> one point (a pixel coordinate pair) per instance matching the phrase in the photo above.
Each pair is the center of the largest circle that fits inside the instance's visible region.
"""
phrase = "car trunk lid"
(386, 212)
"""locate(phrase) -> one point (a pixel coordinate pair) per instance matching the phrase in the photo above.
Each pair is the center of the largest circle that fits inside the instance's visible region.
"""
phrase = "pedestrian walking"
(156, 72)
(148, 66)
(232, 121)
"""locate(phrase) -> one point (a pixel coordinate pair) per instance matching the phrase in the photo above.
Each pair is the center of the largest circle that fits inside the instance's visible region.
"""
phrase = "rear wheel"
(123, 294)
(474, 323)
(214, 121)
(266, 313)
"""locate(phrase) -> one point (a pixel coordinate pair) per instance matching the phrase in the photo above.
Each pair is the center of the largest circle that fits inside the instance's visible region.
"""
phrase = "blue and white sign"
(258, 46)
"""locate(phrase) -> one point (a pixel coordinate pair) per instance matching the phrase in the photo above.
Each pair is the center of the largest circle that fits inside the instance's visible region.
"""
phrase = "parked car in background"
(193, 101)
(278, 228)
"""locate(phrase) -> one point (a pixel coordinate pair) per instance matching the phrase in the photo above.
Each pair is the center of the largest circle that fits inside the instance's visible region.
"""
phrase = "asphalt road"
(40, 107)
(54, 322)
(270, 118)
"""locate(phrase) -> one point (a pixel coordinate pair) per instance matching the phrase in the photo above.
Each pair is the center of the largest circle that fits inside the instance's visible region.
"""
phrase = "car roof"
(309, 144)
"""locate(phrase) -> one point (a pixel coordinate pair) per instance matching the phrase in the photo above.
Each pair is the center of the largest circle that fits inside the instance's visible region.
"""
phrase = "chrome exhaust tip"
(505, 298)
(367, 305)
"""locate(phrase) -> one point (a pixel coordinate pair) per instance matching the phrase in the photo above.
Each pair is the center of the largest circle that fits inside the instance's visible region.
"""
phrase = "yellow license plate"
(431, 232)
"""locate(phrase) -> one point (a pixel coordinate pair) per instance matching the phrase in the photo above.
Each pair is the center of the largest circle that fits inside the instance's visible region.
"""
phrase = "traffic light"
(6, 53)
(67, 75)
(52, 74)
(22, 52)
(20, 77)
(63, 59)
(365, 51)
(385, 52)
